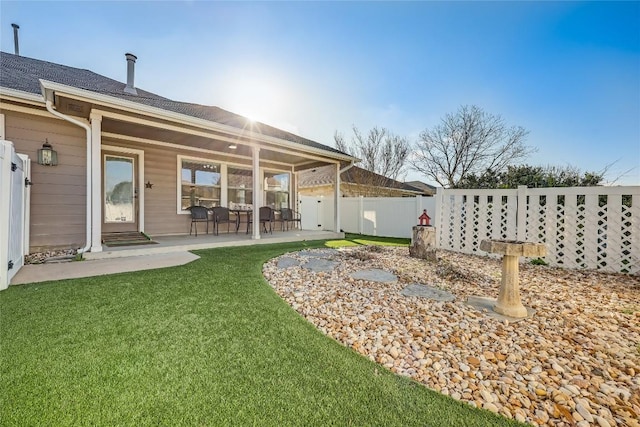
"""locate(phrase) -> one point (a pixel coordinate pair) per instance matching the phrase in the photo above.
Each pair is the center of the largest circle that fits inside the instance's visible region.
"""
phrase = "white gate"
(14, 176)
(316, 213)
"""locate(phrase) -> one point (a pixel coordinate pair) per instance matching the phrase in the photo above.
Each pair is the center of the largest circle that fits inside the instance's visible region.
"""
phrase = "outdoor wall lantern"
(47, 156)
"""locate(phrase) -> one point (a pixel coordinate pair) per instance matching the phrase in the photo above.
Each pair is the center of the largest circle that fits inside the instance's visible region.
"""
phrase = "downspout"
(343, 170)
(346, 168)
(87, 128)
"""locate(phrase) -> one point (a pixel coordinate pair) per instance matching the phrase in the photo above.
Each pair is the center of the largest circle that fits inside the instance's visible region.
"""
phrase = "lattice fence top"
(582, 227)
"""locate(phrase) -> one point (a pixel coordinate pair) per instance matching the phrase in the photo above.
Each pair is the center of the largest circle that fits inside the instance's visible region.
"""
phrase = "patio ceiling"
(217, 142)
(148, 127)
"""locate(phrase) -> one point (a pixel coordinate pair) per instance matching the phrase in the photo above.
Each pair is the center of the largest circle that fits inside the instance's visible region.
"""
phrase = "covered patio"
(162, 157)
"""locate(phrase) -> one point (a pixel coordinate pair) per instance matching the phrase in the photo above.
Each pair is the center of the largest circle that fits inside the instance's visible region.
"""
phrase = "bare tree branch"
(381, 152)
(469, 141)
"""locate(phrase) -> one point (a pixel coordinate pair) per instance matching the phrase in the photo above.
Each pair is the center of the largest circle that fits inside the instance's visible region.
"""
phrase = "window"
(200, 183)
(276, 187)
(239, 188)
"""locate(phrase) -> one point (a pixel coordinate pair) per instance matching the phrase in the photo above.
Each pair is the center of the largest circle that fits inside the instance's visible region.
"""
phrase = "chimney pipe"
(131, 62)
(16, 46)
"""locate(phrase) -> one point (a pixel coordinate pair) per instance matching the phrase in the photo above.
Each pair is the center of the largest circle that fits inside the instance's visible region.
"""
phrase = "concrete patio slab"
(34, 273)
(181, 243)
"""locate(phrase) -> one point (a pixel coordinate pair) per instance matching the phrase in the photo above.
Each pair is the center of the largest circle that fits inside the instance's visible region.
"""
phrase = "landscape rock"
(426, 291)
(574, 363)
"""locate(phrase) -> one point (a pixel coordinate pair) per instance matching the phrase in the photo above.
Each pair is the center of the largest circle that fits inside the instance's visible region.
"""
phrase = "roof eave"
(21, 95)
(49, 87)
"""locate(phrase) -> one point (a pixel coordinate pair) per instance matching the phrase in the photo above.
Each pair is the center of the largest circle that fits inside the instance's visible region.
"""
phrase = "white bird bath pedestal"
(509, 303)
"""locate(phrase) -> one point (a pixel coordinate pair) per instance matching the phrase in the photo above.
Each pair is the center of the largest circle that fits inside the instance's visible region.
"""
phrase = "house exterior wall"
(350, 190)
(161, 170)
(323, 190)
(58, 194)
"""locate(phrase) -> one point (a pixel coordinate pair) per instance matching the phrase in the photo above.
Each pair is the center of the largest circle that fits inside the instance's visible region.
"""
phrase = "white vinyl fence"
(14, 197)
(582, 227)
(373, 216)
(383, 216)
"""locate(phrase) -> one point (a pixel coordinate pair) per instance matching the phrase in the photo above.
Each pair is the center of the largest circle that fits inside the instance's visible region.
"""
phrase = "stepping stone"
(375, 275)
(426, 291)
(321, 253)
(286, 262)
(320, 265)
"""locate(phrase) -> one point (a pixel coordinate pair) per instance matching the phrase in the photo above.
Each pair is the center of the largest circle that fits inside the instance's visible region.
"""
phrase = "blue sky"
(569, 72)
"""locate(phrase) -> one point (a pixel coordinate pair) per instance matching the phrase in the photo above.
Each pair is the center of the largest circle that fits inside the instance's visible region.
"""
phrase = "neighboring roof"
(325, 176)
(24, 74)
(421, 186)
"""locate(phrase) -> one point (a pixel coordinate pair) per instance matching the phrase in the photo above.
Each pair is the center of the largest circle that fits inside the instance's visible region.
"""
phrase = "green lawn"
(208, 343)
(359, 239)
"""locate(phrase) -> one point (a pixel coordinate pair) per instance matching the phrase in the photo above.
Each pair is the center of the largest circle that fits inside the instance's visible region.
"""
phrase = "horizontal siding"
(57, 203)
(58, 194)
(160, 201)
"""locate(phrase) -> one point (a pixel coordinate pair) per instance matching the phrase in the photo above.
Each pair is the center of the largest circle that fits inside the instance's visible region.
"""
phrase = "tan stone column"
(509, 302)
(423, 243)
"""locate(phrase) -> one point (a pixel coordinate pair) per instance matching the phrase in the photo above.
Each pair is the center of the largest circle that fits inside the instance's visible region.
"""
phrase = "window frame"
(180, 159)
(265, 190)
(251, 189)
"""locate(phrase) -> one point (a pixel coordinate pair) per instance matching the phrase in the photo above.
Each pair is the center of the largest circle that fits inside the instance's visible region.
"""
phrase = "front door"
(119, 192)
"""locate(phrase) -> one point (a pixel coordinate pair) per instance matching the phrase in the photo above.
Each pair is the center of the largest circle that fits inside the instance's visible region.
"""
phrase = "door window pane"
(119, 201)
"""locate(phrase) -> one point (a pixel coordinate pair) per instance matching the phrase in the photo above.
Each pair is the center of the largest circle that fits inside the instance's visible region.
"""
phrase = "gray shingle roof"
(325, 176)
(22, 73)
(421, 186)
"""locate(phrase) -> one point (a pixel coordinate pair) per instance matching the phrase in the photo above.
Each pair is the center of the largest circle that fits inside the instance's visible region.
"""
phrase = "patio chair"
(266, 216)
(198, 214)
(277, 217)
(222, 215)
(288, 215)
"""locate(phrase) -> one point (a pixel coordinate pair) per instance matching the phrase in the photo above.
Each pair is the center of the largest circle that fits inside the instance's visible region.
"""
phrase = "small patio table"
(238, 212)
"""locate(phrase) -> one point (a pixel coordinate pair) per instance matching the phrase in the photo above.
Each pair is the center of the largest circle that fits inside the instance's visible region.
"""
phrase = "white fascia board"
(138, 108)
(21, 95)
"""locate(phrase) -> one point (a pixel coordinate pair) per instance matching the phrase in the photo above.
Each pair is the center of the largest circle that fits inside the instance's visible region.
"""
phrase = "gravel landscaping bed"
(575, 362)
(62, 255)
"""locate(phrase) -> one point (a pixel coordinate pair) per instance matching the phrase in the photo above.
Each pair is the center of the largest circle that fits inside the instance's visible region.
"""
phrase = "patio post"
(96, 180)
(257, 193)
(336, 199)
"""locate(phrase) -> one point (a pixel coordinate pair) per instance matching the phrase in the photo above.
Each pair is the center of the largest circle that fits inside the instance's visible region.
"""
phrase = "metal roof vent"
(16, 46)
(131, 65)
